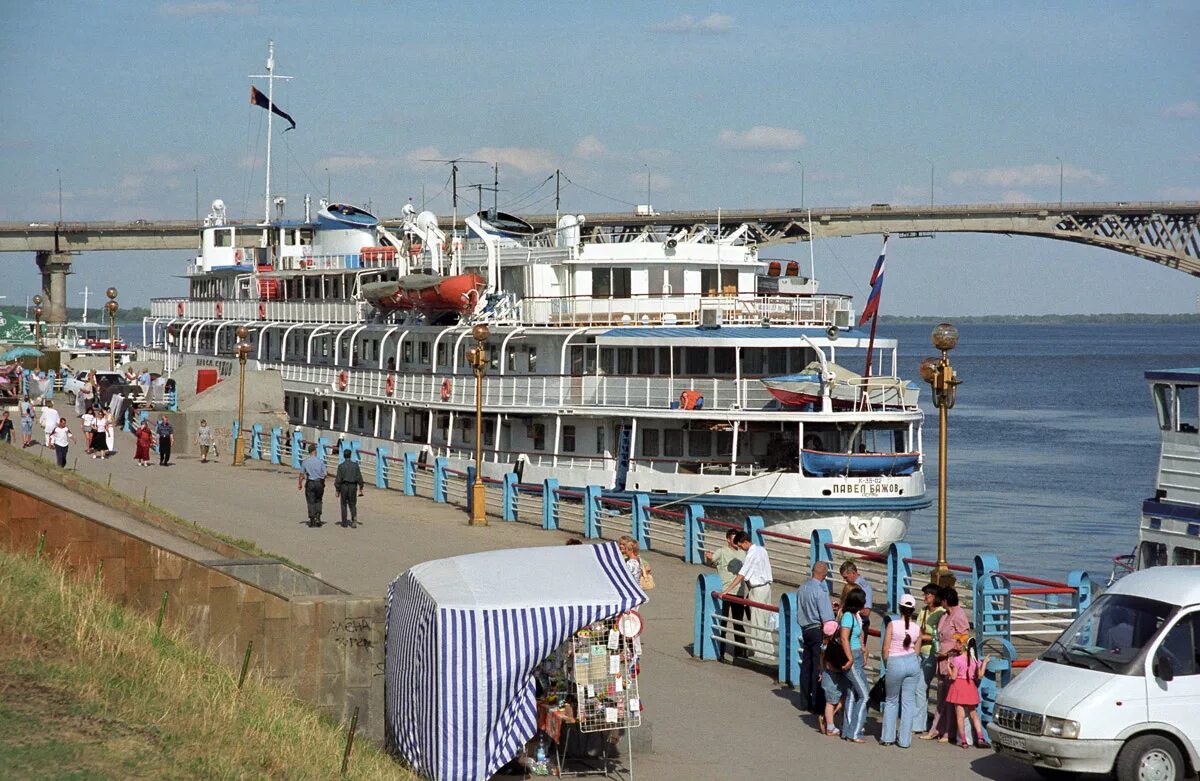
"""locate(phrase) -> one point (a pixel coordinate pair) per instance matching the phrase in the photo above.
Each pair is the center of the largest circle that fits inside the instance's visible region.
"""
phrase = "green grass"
(89, 691)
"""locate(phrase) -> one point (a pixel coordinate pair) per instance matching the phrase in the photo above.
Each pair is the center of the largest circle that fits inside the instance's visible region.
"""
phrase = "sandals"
(928, 736)
(981, 743)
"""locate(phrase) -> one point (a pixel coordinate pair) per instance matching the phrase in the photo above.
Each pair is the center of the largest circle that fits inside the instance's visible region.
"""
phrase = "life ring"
(390, 386)
(238, 255)
(219, 309)
(447, 387)
(179, 309)
(262, 311)
(343, 378)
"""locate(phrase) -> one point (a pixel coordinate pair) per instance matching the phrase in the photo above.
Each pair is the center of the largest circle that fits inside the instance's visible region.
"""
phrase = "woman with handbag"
(850, 633)
(901, 640)
(637, 569)
(833, 681)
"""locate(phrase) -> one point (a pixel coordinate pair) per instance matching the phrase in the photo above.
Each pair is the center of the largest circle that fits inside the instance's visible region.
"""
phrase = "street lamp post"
(944, 382)
(478, 359)
(37, 328)
(1060, 181)
(242, 348)
(801, 164)
(111, 308)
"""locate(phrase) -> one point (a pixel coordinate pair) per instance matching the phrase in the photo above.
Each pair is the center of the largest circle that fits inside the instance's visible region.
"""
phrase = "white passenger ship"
(630, 361)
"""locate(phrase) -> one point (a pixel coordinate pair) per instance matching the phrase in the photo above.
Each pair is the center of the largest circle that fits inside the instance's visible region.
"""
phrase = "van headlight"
(1061, 728)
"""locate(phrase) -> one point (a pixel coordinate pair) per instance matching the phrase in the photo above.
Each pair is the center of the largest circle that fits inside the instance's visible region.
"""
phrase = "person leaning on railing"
(728, 563)
(756, 574)
(814, 610)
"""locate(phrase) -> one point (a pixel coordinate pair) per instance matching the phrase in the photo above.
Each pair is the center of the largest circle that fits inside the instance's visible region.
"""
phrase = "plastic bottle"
(540, 766)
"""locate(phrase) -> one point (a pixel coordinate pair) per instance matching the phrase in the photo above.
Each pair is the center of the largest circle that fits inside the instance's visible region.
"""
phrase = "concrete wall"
(323, 644)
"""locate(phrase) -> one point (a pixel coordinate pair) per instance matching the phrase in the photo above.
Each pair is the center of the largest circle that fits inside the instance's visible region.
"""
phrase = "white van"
(1119, 691)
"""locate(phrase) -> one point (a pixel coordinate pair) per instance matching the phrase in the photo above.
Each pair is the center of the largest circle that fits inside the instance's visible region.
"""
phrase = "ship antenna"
(270, 77)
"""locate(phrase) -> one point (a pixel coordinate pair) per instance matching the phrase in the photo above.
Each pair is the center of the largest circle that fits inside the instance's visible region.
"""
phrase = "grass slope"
(87, 691)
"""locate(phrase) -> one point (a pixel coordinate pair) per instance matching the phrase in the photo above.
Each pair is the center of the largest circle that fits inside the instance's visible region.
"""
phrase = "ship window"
(666, 281)
(625, 360)
(489, 432)
(723, 360)
(606, 360)
(645, 360)
(532, 358)
(650, 442)
(1187, 400)
(539, 436)
(673, 443)
(568, 439)
(700, 443)
(577, 361)
(1185, 557)
(223, 238)
(664, 361)
(1152, 554)
(600, 440)
(360, 416)
(442, 350)
(725, 444)
(510, 361)
(696, 360)
(287, 237)
(752, 361)
(1163, 404)
(728, 281)
(424, 352)
(776, 361)
(306, 237)
(611, 283)
(406, 352)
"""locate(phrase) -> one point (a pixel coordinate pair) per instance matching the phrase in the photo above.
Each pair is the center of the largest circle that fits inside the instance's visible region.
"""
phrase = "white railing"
(742, 309)
(280, 311)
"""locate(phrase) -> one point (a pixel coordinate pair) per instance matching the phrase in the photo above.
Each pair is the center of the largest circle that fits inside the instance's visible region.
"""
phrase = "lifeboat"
(428, 293)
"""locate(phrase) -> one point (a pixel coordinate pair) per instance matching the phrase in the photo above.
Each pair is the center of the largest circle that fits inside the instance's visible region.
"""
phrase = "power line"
(597, 192)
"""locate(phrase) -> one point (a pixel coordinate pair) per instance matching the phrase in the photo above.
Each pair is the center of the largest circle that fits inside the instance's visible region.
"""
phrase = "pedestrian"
(349, 486)
(854, 579)
(49, 420)
(144, 381)
(87, 426)
(84, 398)
(26, 422)
(834, 686)
(852, 639)
(102, 446)
(312, 482)
(965, 672)
(631, 552)
(756, 574)
(145, 438)
(6, 428)
(166, 438)
(204, 439)
(952, 625)
(814, 610)
(928, 620)
(728, 562)
(902, 679)
(61, 439)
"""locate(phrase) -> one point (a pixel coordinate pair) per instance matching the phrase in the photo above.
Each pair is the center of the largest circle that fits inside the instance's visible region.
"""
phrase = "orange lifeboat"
(427, 293)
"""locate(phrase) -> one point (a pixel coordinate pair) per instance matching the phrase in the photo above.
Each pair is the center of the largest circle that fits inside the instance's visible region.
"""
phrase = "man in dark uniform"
(312, 482)
(349, 486)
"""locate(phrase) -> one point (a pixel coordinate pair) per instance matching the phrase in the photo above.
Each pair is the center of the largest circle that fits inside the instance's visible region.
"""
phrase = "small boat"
(821, 464)
(846, 389)
(428, 293)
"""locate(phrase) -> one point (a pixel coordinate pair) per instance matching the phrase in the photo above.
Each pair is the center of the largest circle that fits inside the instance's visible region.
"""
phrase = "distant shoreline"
(1126, 318)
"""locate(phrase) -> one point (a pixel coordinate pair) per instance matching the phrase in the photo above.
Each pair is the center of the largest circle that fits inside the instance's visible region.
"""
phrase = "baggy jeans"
(856, 699)
(921, 695)
(902, 682)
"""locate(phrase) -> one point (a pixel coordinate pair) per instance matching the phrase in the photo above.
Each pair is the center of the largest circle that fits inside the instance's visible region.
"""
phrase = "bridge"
(1166, 233)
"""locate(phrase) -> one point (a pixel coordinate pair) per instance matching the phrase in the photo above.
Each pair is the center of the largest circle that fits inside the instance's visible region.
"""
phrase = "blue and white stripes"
(461, 653)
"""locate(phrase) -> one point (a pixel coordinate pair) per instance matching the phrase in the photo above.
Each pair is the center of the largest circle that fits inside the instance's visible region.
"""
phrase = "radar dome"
(427, 220)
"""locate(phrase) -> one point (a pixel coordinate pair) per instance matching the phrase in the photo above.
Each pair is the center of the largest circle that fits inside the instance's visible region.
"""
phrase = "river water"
(1053, 442)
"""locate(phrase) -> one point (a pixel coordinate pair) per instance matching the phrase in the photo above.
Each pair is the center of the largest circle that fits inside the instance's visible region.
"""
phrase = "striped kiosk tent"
(464, 636)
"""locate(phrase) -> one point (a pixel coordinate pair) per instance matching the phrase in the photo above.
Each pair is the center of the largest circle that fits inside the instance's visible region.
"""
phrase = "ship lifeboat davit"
(428, 293)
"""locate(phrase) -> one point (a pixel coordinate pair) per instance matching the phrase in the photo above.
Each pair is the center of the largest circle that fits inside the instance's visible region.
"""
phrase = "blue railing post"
(708, 608)
(256, 441)
(899, 574)
(276, 435)
(297, 449)
(996, 677)
(509, 504)
(754, 527)
(233, 430)
(50, 385)
(410, 474)
(639, 512)
(1082, 583)
(591, 511)
(550, 504)
(24, 383)
(693, 534)
(323, 448)
(355, 447)
(173, 400)
(381, 473)
(992, 600)
(789, 640)
(470, 493)
(439, 479)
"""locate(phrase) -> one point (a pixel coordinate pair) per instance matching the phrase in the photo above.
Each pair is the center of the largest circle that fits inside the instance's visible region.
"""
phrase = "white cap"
(908, 601)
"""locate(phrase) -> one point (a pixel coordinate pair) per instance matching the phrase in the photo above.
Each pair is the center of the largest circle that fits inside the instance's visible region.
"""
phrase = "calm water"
(1053, 442)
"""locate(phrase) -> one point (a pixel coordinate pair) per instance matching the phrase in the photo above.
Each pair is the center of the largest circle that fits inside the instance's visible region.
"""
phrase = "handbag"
(835, 654)
(877, 694)
(646, 581)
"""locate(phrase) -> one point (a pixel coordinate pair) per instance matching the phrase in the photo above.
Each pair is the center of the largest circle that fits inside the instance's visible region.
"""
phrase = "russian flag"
(872, 307)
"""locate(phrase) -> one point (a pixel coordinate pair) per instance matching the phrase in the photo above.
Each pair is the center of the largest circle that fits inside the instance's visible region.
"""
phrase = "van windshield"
(1111, 634)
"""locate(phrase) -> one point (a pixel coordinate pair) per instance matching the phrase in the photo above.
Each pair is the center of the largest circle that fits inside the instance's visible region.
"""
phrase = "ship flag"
(872, 307)
(259, 99)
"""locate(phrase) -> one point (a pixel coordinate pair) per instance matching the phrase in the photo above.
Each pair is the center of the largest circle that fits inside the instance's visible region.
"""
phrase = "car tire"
(1150, 758)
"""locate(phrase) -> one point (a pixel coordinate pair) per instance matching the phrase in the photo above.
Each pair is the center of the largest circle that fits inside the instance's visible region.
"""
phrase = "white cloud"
(776, 168)
(1188, 109)
(205, 8)
(1038, 174)
(352, 163)
(763, 137)
(657, 182)
(524, 159)
(422, 156)
(714, 23)
(590, 147)
(1180, 193)
(1016, 196)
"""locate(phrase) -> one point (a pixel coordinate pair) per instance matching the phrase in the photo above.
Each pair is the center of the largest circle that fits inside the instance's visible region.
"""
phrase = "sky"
(139, 106)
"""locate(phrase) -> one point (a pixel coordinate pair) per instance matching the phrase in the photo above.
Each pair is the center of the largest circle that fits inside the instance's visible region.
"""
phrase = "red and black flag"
(259, 99)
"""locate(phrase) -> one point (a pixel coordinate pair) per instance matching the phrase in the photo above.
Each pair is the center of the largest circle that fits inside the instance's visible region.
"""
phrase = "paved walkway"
(709, 720)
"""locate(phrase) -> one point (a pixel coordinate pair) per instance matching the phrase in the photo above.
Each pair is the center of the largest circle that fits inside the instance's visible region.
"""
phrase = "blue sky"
(721, 103)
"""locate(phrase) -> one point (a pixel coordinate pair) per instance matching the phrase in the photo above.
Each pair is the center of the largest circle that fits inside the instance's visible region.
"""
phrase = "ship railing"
(667, 529)
(656, 309)
(696, 466)
(614, 518)
(570, 513)
(790, 554)
(718, 632)
(253, 310)
(872, 567)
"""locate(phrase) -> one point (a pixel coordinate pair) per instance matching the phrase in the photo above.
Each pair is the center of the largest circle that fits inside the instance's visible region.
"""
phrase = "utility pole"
(85, 294)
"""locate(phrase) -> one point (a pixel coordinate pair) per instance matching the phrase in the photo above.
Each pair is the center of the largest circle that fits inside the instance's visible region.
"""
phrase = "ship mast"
(270, 77)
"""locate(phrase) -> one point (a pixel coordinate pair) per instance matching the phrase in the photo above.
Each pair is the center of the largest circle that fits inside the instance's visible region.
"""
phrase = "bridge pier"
(54, 267)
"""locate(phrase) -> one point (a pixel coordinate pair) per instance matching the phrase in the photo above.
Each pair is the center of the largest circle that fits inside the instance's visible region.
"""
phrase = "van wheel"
(1149, 758)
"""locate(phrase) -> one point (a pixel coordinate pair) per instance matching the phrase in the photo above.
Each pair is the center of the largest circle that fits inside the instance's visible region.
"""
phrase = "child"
(965, 673)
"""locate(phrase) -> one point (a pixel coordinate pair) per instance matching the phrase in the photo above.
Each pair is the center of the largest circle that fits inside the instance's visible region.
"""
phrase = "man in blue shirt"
(312, 482)
(813, 610)
(851, 575)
